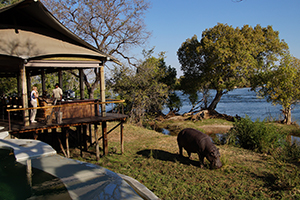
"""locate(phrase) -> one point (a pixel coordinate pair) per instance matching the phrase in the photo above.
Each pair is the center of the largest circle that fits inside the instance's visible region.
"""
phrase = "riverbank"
(152, 158)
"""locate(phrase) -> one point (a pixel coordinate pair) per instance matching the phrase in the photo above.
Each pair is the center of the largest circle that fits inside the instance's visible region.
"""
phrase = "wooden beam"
(43, 81)
(122, 137)
(97, 143)
(104, 137)
(84, 132)
(28, 84)
(19, 85)
(67, 143)
(24, 95)
(81, 84)
(60, 79)
(79, 137)
(102, 91)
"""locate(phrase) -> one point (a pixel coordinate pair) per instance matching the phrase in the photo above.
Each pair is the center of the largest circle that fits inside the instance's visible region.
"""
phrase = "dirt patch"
(209, 129)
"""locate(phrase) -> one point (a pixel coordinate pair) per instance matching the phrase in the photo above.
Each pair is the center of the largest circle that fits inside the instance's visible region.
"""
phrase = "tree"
(7, 2)
(226, 58)
(112, 26)
(141, 89)
(8, 86)
(169, 78)
(281, 85)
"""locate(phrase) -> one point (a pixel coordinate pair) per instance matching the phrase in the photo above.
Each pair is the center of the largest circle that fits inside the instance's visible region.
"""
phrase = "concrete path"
(3, 134)
(82, 180)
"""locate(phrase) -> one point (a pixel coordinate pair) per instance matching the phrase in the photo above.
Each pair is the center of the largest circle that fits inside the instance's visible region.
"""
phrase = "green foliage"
(8, 86)
(7, 2)
(70, 82)
(141, 88)
(281, 84)
(289, 152)
(227, 57)
(285, 177)
(173, 102)
(257, 136)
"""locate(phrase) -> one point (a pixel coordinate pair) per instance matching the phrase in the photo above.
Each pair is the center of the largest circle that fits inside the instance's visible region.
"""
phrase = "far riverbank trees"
(226, 58)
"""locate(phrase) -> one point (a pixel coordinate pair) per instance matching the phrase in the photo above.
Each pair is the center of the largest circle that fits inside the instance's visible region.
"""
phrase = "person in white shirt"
(57, 93)
(33, 100)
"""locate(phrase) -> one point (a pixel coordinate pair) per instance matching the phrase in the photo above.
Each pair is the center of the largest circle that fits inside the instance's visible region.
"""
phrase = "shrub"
(257, 136)
(288, 153)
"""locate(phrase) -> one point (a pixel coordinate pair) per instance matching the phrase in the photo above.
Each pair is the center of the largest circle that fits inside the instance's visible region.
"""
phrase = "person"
(57, 93)
(33, 100)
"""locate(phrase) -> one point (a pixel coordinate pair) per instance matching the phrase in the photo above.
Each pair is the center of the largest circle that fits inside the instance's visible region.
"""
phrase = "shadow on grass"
(167, 156)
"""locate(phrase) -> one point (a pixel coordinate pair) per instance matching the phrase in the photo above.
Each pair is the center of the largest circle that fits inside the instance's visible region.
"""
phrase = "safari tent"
(33, 42)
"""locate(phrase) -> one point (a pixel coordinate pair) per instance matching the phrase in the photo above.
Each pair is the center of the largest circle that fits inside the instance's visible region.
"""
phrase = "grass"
(176, 126)
(152, 159)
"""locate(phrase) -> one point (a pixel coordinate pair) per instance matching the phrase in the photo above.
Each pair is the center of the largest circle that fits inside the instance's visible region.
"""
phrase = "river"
(242, 102)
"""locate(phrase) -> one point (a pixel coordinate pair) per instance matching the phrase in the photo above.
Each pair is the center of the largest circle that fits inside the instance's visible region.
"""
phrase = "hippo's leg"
(180, 150)
(189, 154)
(201, 160)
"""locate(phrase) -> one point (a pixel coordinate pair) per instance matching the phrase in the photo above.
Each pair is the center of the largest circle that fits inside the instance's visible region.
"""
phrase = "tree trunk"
(287, 115)
(91, 93)
(216, 100)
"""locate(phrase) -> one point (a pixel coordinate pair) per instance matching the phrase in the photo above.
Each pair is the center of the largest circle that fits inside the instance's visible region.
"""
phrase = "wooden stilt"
(29, 172)
(36, 134)
(79, 133)
(97, 142)
(67, 144)
(84, 132)
(122, 137)
(104, 137)
(61, 146)
(91, 135)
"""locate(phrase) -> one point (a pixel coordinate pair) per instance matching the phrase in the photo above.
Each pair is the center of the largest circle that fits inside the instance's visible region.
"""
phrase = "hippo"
(194, 141)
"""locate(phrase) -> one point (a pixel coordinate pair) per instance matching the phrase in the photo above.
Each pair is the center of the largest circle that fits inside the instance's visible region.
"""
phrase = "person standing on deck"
(33, 100)
(57, 93)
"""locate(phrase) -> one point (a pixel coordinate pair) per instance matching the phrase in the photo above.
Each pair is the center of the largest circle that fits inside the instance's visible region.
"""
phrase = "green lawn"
(152, 158)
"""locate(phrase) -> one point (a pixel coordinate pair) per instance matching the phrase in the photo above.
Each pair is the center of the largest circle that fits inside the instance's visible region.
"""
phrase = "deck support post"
(97, 142)
(79, 136)
(102, 91)
(29, 172)
(43, 81)
(24, 95)
(122, 137)
(84, 132)
(104, 137)
(67, 142)
(60, 79)
(90, 133)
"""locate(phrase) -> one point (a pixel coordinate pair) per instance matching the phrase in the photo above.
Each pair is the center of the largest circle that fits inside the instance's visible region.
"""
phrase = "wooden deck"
(18, 129)
(18, 126)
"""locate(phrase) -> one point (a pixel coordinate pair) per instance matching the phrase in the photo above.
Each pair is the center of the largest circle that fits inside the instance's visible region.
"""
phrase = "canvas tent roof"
(30, 34)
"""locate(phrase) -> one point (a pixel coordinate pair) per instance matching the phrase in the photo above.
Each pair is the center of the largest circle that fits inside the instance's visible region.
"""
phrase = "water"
(242, 102)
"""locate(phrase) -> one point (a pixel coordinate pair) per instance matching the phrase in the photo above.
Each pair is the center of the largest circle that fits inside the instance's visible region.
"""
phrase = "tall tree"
(141, 88)
(281, 85)
(169, 78)
(113, 26)
(227, 57)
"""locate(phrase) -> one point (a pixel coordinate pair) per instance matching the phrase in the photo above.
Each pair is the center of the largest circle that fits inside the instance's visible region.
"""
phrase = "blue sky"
(173, 21)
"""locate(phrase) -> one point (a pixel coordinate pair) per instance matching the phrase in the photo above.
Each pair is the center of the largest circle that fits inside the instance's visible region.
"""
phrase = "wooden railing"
(109, 101)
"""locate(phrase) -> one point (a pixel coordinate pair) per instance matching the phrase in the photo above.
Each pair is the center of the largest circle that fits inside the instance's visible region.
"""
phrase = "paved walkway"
(3, 134)
(83, 180)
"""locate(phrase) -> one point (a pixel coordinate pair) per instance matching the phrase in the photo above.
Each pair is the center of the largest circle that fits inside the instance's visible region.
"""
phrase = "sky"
(173, 21)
